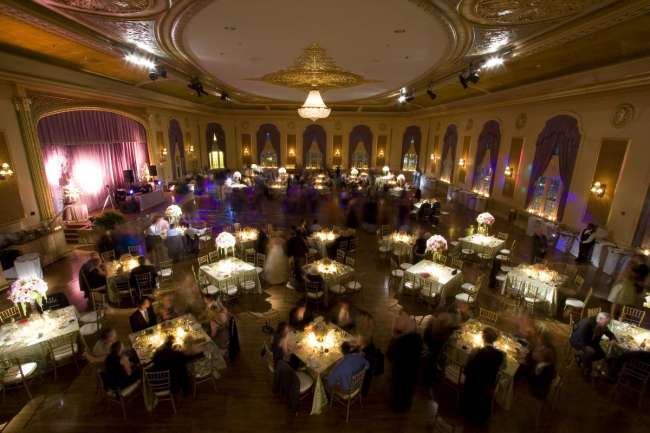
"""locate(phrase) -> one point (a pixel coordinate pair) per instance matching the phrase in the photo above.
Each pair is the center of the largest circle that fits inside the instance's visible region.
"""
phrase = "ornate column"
(34, 157)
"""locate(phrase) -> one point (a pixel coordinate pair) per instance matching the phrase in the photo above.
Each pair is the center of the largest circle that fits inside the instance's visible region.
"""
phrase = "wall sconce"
(246, 151)
(507, 171)
(461, 163)
(598, 189)
(163, 154)
(292, 152)
(337, 152)
(5, 171)
(380, 153)
(190, 148)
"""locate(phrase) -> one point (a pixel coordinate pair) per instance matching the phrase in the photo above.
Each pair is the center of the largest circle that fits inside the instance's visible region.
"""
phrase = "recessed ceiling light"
(230, 28)
(399, 31)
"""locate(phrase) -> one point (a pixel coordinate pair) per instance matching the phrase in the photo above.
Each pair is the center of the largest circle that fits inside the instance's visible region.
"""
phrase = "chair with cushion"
(10, 314)
(260, 261)
(579, 305)
(248, 284)
(119, 397)
(503, 236)
(454, 377)
(165, 270)
(411, 284)
(61, 350)
(632, 315)
(508, 251)
(17, 372)
(124, 290)
(472, 288)
(160, 385)
(348, 397)
(531, 300)
(314, 292)
(201, 371)
(203, 260)
(457, 263)
(249, 255)
(91, 322)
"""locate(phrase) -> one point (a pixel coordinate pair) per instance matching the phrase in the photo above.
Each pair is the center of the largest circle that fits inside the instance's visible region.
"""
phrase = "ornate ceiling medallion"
(517, 12)
(314, 69)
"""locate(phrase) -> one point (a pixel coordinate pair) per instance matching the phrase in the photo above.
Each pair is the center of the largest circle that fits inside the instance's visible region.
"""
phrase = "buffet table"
(230, 271)
(319, 347)
(150, 199)
(468, 338)
(27, 338)
(444, 280)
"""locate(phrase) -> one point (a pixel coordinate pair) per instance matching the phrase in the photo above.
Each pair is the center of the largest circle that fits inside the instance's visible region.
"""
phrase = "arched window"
(447, 168)
(216, 141)
(410, 161)
(360, 156)
(314, 157)
(268, 155)
(548, 190)
(483, 180)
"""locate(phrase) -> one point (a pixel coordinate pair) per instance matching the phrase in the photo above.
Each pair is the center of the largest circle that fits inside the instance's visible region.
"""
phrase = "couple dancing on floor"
(276, 268)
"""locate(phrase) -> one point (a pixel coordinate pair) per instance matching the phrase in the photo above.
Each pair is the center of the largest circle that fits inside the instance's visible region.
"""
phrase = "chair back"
(488, 315)
(313, 286)
(578, 281)
(108, 256)
(340, 255)
(122, 285)
(591, 312)
(260, 260)
(166, 264)
(503, 236)
(393, 262)
(134, 250)
(350, 261)
(158, 381)
(636, 371)
(352, 243)
(144, 284)
(457, 263)
(590, 292)
(62, 341)
(99, 300)
(203, 260)
(356, 382)
(10, 314)
(632, 315)
(213, 256)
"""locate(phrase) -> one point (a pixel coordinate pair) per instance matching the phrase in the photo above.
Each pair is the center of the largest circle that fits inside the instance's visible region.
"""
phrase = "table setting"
(629, 338)
(444, 280)
(330, 271)
(230, 270)
(400, 243)
(323, 238)
(469, 338)
(540, 278)
(119, 269)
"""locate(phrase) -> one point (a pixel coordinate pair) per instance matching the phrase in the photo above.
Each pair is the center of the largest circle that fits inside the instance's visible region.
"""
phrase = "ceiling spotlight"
(139, 60)
(197, 86)
(471, 76)
(404, 96)
(401, 99)
(493, 62)
(431, 93)
(157, 72)
(225, 97)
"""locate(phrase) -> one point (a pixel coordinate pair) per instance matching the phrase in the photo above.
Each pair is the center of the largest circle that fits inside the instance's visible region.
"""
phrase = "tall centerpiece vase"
(437, 245)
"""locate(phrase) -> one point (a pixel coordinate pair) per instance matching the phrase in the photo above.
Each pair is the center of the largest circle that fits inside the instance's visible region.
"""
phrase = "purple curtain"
(363, 134)
(215, 130)
(274, 135)
(411, 133)
(488, 140)
(91, 149)
(560, 136)
(176, 143)
(314, 133)
(449, 144)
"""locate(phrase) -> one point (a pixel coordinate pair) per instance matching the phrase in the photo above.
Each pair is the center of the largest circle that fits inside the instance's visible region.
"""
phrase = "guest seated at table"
(630, 289)
(158, 227)
(212, 304)
(144, 317)
(342, 317)
(166, 310)
(481, 373)
(585, 339)
(119, 370)
(420, 246)
(539, 246)
(403, 353)
(461, 311)
(92, 274)
(299, 316)
(314, 227)
(353, 362)
(174, 360)
(143, 269)
(219, 332)
(102, 346)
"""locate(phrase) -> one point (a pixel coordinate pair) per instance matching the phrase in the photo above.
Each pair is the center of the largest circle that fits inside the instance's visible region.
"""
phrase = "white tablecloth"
(565, 241)
(150, 199)
(445, 281)
(28, 265)
(550, 228)
(600, 252)
(489, 245)
(517, 280)
(614, 262)
(230, 270)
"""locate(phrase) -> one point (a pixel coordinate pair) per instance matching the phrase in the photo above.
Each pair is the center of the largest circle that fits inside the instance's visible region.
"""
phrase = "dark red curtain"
(363, 134)
(215, 130)
(488, 141)
(92, 149)
(560, 136)
(449, 144)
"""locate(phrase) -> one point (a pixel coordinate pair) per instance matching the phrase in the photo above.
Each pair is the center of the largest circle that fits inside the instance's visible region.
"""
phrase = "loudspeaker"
(128, 176)
(153, 170)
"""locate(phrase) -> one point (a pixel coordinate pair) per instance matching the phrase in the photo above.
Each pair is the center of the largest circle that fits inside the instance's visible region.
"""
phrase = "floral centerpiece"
(401, 179)
(173, 213)
(437, 245)
(354, 172)
(282, 171)
(236, 176)
(27, 291)
(385, 169)
(484, 220)
(225, 240)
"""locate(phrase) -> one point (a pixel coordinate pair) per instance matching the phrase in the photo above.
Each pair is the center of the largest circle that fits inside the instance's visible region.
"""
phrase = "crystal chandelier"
(314, 108)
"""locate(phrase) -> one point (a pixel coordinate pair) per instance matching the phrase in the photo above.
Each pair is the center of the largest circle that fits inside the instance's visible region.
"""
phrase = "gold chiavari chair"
(159, 382)
(489, 316)
(631, 315)
(11, 313)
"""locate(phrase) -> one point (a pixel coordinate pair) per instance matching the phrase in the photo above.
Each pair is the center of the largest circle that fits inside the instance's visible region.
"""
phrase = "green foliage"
(108, 220)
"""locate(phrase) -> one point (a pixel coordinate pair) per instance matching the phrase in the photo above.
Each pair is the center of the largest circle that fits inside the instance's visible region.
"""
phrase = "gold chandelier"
(314, 70)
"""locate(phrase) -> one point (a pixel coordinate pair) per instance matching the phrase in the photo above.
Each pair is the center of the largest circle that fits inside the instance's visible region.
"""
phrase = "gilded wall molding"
(110, 8)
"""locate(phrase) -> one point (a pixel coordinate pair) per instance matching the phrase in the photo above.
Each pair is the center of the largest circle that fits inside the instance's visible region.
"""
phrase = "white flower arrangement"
(401, 178)
(173, 213)
(236, 176)
(385, 169)
(354, 172)
(27, 290)
(485, 219)
(225, 240)
(282, 171)
(436, 244)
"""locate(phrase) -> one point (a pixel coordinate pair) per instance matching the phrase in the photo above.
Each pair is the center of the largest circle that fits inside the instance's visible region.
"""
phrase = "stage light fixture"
(431, 94)
(404, 96)
(196, 85)
(493, 62)
(225, 97)
(472, 75)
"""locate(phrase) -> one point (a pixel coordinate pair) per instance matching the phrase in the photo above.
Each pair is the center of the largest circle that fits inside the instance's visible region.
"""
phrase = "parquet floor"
(244, 402)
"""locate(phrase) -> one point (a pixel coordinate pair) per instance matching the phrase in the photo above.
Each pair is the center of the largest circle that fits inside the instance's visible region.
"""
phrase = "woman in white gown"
(276, 268)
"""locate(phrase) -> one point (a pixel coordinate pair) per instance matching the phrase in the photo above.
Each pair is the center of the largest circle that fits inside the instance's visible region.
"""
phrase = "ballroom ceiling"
(251, 50)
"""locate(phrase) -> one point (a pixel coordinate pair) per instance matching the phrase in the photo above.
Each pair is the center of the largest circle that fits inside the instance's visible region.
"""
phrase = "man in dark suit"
(144, 317)
(585, 339)
(481, 374)
(143, 269)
